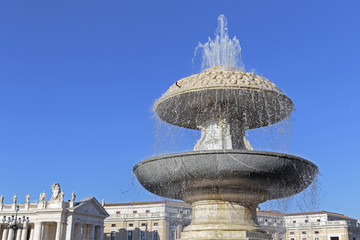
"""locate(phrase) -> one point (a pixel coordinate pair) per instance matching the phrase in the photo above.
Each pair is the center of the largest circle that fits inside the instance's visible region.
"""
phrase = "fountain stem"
(219, 131)
(222, 134)
(217, 219)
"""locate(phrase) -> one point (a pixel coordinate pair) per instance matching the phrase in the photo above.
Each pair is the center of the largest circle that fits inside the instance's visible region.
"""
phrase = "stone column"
(92, 232)
(11, 234)
(78, 231)
(70, 231)
(18, 234)
(58, 231)
(37, 231)
(24, 232)
(101, 233)
(31, 233)
(84, 232)
(45, 231)
(5, 233)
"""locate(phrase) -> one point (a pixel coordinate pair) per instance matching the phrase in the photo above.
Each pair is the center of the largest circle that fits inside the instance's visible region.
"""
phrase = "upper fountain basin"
(248, 97)
(231, 175)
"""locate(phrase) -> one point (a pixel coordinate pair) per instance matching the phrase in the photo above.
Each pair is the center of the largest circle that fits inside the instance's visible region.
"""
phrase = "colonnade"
(87, 232)
(19, 234)
(54, 231)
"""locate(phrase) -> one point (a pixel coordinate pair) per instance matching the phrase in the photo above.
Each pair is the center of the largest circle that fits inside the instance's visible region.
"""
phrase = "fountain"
(223, 179)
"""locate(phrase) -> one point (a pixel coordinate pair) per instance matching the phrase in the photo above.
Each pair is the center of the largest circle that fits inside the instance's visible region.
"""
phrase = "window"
(303, 233)
(143, 224)
(316, 232)
(156, 224)
(294, 221)
(117, 212)
(265, 220)
(131, 225)
(113, 225)
(130, 235)
(147, 211)
(318, 220)
(142, 235)
(334, 238)
(112, 235)
(134, 212)
(306, 221)
(155, 235)
(292, 238)
(303, 238)
(292, 233)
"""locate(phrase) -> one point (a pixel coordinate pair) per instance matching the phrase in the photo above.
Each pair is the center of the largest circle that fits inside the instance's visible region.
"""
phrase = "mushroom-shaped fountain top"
(244, 96)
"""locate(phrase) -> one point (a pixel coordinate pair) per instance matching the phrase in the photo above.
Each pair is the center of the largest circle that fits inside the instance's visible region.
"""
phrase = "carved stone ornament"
(27, 198)
(56, 192)
(42, 197)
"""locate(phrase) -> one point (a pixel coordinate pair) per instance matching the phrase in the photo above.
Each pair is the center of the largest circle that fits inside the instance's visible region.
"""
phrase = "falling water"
(226, 52)
(221, 50)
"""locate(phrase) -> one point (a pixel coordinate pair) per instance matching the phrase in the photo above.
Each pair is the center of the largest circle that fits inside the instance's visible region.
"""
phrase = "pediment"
(90, 206)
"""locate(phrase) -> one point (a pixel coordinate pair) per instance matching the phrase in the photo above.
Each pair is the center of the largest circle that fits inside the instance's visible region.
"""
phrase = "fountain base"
(217, 219)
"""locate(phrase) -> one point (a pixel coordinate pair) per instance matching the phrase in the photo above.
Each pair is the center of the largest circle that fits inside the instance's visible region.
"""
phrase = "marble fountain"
(224, 179)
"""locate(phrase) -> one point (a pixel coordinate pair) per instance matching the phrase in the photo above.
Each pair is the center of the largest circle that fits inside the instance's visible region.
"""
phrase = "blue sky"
(78, 79)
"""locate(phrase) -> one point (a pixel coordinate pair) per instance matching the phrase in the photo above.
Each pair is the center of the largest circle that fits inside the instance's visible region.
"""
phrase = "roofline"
(147, 203)
(271, 212)
(319, 212)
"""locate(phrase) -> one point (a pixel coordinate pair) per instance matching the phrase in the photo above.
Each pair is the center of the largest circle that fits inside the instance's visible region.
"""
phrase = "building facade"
(319, 225)
(164, 220)
(158, 220)
(53, 219)
(272, 222)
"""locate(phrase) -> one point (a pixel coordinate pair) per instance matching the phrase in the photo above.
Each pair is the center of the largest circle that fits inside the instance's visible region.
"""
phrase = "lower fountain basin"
(230, 175)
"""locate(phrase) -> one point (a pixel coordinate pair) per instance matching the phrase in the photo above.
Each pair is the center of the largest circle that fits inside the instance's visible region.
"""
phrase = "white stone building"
(319, 225)
(273, 222)
(54, 219)
(164, 220)
(158, 220)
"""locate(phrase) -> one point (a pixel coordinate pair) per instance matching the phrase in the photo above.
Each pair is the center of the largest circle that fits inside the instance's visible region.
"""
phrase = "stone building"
(53, 219)
(158, 220)
(164, 220)
(319, 225)
(273, 222)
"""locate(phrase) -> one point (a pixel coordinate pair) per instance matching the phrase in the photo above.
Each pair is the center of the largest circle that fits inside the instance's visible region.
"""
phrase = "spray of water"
(221, 50)
(225, 52)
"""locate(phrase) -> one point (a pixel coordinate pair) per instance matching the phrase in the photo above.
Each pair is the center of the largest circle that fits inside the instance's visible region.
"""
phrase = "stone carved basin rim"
(210, 173)
(245, 94)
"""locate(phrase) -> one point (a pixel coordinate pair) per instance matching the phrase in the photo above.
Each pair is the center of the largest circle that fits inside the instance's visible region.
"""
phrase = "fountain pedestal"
(217, 219)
